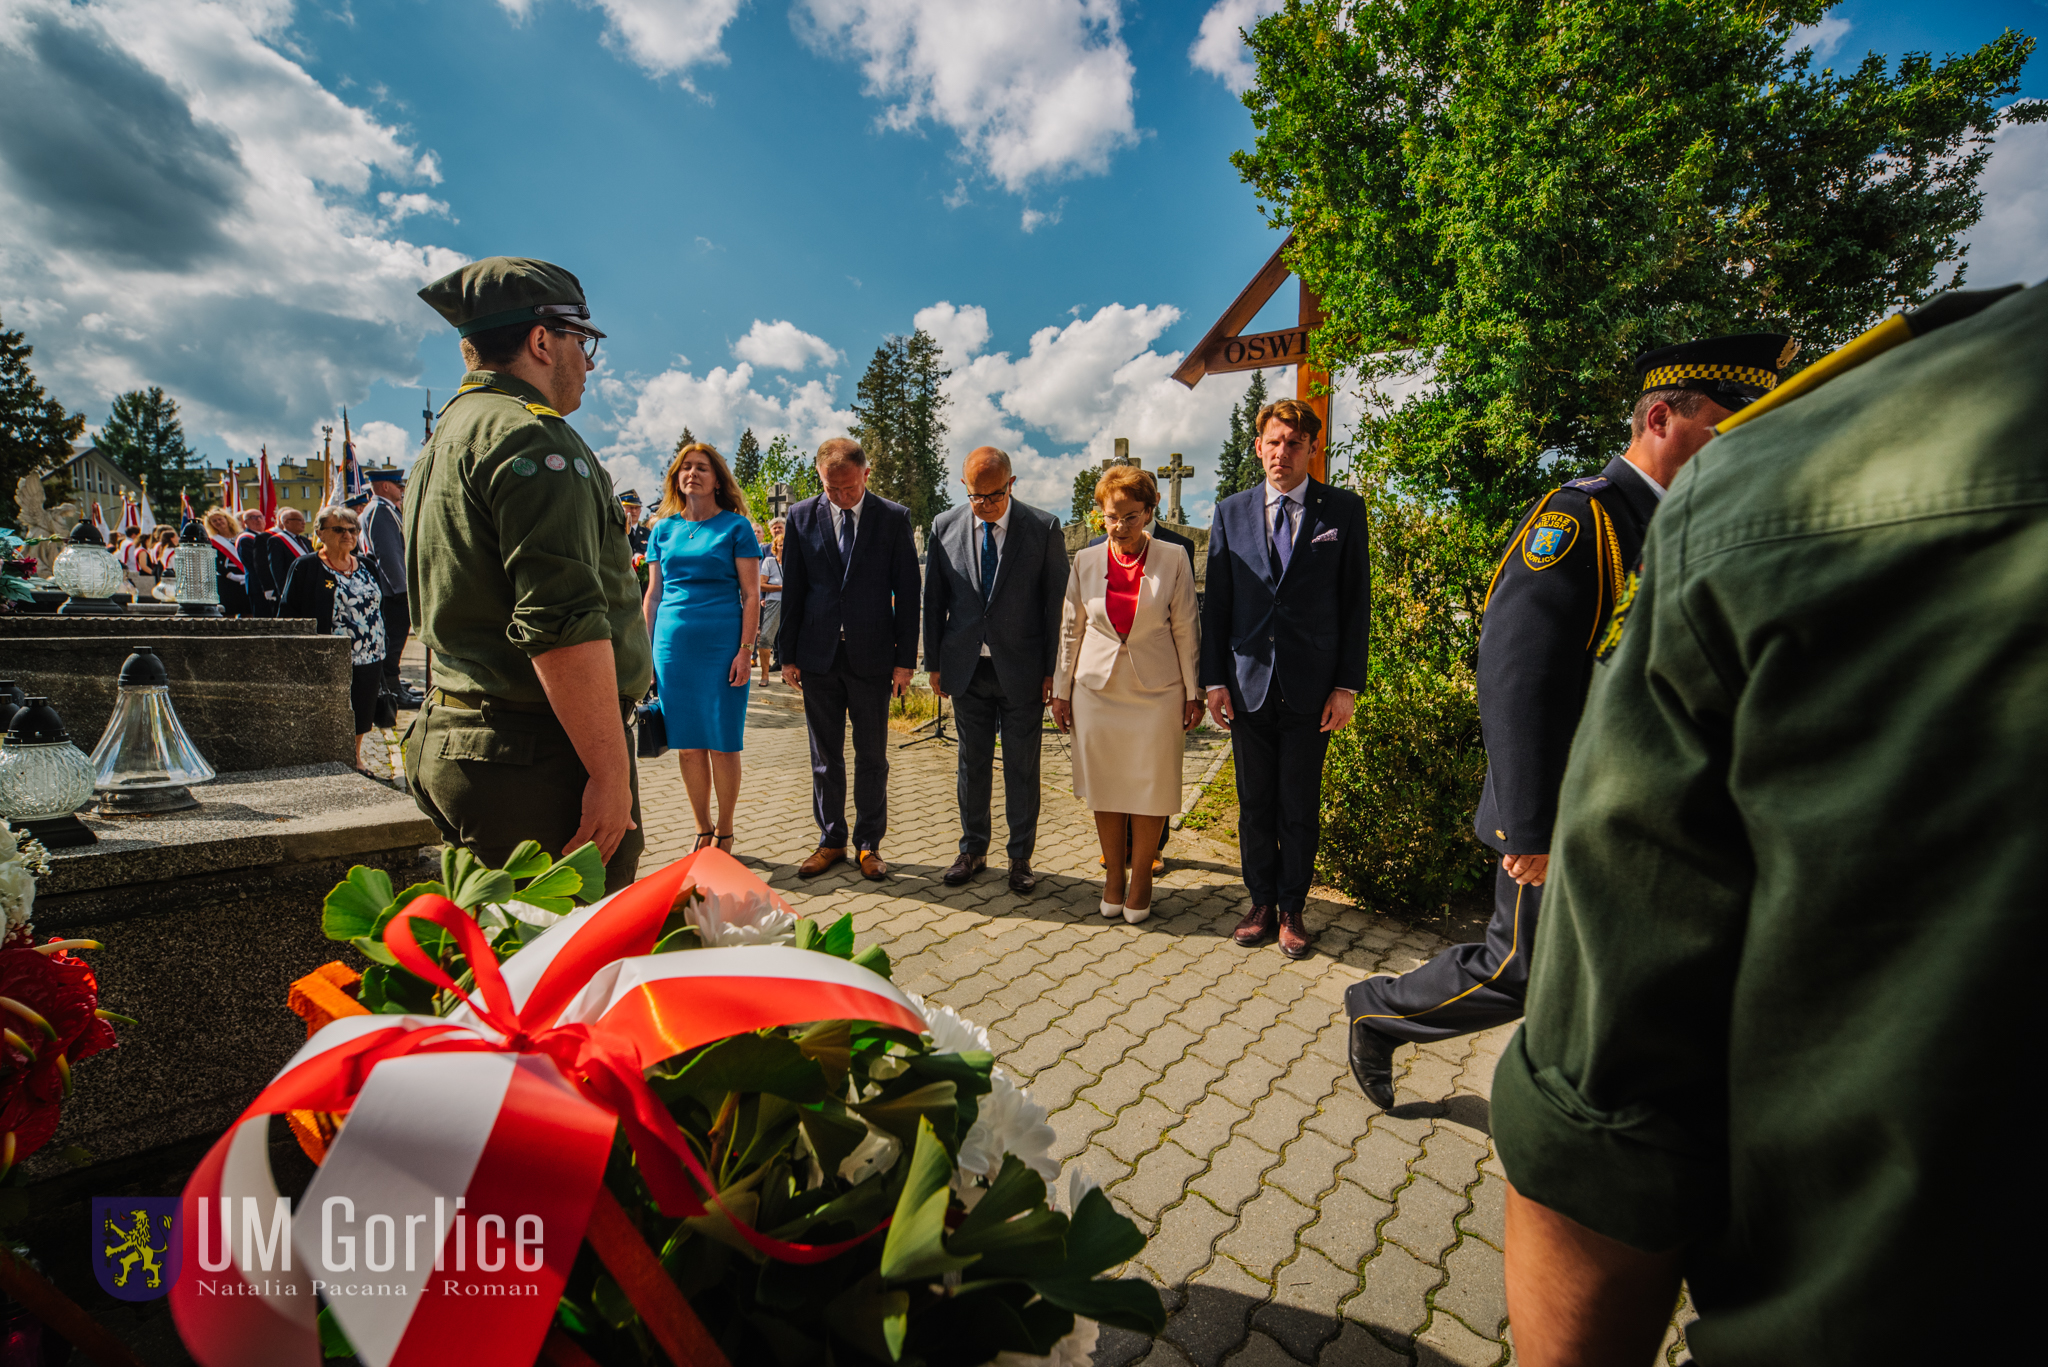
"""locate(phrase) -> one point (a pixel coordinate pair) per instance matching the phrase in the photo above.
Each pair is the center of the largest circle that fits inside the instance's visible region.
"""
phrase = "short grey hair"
(345, 516)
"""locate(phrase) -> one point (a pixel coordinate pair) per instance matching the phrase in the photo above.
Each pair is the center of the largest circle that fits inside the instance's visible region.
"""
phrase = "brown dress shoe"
(822, 858)
(871, 865)
(1294, 937)
(1022, 879)
(1256, 925)
(964, 868)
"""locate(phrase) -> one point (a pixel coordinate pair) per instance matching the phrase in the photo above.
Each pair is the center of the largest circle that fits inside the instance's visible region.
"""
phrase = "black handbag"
(653, 730)
(386, 711)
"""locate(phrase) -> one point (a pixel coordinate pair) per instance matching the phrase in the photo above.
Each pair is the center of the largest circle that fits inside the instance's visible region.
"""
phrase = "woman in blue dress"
(703, 610)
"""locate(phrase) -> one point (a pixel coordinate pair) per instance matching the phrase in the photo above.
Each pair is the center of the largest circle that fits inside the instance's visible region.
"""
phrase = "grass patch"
(1216, 811)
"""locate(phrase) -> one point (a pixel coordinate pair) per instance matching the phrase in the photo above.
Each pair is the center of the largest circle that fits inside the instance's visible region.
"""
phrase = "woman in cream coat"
(1125, 684)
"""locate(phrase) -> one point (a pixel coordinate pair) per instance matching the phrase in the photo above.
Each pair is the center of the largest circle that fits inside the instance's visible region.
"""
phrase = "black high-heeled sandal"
(703, 838)
(723, 842)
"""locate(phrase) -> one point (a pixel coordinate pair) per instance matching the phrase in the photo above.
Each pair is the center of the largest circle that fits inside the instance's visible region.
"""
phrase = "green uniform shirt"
(515, 546)
(1775, 1013)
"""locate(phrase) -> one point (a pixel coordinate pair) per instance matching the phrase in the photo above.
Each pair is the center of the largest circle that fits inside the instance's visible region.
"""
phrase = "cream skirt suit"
(1129, 693)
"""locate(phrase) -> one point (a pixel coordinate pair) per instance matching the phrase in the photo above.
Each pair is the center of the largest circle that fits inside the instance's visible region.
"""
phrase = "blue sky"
(236, 198)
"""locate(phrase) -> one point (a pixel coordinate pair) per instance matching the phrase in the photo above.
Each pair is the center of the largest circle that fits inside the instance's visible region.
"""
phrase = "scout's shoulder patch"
(1610, 640)
(1549, 538)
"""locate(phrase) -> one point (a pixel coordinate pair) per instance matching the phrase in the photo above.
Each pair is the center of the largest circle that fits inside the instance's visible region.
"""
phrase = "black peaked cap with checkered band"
(1732, 371)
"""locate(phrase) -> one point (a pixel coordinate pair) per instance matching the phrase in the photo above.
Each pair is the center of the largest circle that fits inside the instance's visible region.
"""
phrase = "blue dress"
(697, 628)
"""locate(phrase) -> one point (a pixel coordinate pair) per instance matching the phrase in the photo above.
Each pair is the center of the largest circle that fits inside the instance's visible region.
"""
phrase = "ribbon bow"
(492, 1128)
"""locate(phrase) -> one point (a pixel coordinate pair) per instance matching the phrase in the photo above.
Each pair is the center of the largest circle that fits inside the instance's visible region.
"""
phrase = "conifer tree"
(1237, 468)
(145, 438)
(903, 425)
(36, 434)
(746, 458)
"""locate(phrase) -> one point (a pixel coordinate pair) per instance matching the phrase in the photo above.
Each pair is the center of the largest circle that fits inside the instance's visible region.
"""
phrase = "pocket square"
(1330, 535)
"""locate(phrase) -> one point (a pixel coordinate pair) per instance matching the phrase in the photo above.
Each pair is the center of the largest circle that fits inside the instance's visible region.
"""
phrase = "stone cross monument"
(1175, 470)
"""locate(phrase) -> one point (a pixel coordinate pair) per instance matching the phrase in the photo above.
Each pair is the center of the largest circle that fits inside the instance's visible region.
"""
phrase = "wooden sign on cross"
(1224, 349)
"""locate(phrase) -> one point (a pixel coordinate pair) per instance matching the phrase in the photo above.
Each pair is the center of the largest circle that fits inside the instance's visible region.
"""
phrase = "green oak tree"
(1084, 492)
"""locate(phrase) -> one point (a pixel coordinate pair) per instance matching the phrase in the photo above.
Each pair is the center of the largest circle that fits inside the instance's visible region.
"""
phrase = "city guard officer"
(1552, 598)
(522, 586)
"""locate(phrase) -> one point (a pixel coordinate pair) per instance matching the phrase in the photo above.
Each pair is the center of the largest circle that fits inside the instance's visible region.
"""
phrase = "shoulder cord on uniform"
(1607, 550)
(1513, 542)
(538, 409)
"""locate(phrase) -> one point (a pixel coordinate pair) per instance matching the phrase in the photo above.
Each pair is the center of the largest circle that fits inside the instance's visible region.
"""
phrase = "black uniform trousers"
(831, 699)
(1465, 989)
(397, 626)
(981, 710)
(491, 776)
(1279, 755)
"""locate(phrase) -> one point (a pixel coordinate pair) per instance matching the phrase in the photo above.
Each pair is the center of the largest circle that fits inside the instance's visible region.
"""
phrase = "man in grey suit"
(994, 583)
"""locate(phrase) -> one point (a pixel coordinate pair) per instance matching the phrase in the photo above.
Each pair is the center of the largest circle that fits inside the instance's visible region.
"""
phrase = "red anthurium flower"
(47, 1006)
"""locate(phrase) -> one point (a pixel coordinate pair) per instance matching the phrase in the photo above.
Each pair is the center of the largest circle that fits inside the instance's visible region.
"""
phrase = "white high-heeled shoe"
(1112, 910)
(1136, 914)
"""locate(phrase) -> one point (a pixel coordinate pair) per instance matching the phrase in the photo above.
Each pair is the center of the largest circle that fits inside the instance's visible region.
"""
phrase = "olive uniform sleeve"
(1535, 652)
(550, 524)
(1610, 1104)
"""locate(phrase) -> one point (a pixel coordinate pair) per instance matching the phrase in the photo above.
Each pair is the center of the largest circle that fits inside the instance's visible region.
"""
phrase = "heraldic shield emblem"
(1550, 536)
(136, 1251)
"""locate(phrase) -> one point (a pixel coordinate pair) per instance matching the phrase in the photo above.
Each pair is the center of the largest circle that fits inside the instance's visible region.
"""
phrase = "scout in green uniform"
(523, 586)
(1783, 969)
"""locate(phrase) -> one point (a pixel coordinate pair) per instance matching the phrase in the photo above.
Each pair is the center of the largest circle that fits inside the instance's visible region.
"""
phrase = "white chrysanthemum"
(726, 919)
(1077, 1349)
(17, 891)
(1008, 1121)
(1073, 1186)
(951, 1032)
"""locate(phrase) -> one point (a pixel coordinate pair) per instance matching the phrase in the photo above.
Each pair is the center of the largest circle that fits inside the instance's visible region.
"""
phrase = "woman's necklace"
(1129, 562)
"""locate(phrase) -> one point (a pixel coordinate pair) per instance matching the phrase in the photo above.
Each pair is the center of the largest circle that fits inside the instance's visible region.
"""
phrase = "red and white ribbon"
(444, 1221)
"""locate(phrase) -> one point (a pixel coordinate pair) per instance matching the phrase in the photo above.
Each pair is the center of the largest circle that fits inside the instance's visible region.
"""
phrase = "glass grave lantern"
(44, 778)
(145, 763)
(194, 565)
(87, 572)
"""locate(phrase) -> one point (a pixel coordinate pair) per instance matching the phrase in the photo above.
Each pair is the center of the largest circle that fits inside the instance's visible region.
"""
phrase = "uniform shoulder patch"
(1610, 640)
(583, 467)
(1549, 538)
(1592, 484)
(541, 410)
(522, 466)
(556, 462)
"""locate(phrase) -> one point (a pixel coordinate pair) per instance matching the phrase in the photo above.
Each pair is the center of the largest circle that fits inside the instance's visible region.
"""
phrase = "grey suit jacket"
(384, 537)
(1021, 625)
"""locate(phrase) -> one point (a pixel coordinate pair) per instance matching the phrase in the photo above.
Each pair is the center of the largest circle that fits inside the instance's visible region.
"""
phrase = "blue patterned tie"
(1283, 534)
(845, 542)
(988, 561)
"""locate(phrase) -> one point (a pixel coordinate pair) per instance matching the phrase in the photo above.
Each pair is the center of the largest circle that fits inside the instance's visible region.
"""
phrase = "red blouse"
(1121, 600)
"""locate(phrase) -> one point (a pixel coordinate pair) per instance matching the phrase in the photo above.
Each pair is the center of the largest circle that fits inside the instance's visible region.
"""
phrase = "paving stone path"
(1204, 1086)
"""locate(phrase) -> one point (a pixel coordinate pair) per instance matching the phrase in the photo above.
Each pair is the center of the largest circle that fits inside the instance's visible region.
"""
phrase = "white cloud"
(182, 205)
(784, 346)
(1219, 49)
(662, 37)
(2010, 242)
(1824, 37)
(960, 332)
(380, 445)
(716, 407)
(1035, 90)
(1035, 218)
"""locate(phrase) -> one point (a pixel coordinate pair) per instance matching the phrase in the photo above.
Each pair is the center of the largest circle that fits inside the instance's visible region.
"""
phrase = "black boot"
(1372, 1063)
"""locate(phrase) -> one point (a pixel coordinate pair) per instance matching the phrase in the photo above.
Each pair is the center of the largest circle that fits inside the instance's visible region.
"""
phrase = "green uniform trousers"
(493, 776)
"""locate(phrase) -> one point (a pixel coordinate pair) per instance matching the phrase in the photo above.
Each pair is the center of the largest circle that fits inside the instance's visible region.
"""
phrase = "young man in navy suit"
(1284, 631)
(849, 642)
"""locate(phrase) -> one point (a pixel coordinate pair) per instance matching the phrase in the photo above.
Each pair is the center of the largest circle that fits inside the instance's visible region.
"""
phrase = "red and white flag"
(445, 1217)
(266, 491)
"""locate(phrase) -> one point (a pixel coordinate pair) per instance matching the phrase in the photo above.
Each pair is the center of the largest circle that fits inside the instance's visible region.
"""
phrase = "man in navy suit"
(849, 642)
(1284, 631)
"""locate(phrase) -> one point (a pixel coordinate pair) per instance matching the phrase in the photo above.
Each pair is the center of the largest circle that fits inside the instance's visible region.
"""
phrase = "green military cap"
(1732, 371)
(500, 291)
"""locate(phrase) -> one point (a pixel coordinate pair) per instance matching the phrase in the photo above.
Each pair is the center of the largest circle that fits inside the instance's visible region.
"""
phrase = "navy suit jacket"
(1305, 632)
(874, 603)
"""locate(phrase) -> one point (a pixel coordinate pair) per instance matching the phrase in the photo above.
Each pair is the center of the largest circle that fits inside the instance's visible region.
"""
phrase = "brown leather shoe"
(871, 865)
(1158, 865)
(1256, 925)
(1022, 879)
(1295, 942)
(964, 868)
(822, 858)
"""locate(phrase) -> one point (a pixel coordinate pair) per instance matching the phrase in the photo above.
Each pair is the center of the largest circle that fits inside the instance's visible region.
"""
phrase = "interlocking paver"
(1204, 1085)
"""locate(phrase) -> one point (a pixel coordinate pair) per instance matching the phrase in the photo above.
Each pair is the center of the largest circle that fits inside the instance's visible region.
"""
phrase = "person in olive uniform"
(1783, 965)
(1554, 591)
(523, 587)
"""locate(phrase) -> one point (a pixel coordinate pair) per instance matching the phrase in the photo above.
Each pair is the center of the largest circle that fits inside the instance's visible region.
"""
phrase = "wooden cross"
(1175, 471)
